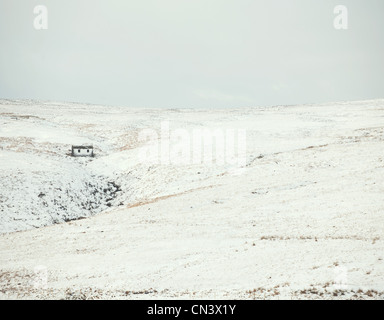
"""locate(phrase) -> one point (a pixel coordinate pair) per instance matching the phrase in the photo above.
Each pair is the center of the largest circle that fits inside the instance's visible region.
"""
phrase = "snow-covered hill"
(301, 217)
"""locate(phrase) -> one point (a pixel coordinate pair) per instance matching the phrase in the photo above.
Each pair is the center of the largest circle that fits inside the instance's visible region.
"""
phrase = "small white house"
(82, 151)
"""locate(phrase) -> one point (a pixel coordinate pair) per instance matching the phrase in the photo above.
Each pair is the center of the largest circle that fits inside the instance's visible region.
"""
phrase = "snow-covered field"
(302, 218)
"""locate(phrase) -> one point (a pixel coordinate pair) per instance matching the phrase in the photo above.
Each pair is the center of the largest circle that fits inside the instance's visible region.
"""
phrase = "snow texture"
(303, 218)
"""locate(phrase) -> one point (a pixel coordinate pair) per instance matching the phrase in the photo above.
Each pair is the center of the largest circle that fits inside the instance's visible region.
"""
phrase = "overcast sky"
(192, 53)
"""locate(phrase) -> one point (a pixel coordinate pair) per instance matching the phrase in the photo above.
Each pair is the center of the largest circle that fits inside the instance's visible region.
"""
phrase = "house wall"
(82, 152)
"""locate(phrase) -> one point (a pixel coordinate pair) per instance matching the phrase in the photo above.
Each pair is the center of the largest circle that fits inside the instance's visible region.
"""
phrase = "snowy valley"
(303, 217)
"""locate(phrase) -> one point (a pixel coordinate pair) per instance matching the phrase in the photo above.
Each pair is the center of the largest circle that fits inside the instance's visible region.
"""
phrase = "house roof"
(82, 147)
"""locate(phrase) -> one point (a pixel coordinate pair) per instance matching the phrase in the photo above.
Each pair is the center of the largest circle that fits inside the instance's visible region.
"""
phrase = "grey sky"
(192, 53)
